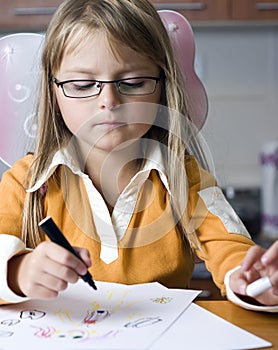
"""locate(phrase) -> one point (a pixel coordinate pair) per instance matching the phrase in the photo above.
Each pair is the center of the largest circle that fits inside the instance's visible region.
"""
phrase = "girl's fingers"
(48, 269)
(274, 281)
(238, 282)
(47, 287)
(252, 258)
(61, 272)
(41, 292)
(84, 255)
(62, 256)
(271, 255)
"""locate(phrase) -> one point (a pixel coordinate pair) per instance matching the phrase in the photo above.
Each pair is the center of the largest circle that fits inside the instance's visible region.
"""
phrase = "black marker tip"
(88, 279)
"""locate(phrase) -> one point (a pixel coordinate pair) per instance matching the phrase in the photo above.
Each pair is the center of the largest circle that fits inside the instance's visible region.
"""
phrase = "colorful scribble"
(75, 334)
(121, 303)
(64, 315)
(51, 332)
(94, 317)
(46, 332)
(162, 300)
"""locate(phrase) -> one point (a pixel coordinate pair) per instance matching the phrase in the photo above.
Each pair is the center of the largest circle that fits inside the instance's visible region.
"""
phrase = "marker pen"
(259, 286)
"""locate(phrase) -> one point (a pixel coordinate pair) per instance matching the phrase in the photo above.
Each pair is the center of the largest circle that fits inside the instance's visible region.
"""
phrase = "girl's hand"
(258, 263)
(46, 271)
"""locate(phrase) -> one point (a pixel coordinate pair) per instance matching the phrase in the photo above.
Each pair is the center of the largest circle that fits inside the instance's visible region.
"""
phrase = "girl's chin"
(108, 138)
(108, 145)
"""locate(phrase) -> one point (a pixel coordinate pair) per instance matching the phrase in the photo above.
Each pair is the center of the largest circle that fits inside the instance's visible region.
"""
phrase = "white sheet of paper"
(200, 329)
(113, 317)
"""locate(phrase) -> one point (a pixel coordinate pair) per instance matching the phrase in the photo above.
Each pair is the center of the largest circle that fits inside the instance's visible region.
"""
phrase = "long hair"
(134, 23)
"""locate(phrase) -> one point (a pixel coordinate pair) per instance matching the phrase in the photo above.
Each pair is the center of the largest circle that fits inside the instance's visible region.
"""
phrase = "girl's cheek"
(74, 117)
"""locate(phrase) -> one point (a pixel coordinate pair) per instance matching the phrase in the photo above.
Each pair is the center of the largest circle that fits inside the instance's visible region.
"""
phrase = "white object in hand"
(259, 286)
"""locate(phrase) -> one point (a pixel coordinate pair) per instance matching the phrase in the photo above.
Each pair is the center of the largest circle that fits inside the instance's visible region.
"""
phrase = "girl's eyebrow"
(81, 70)
(90, 71)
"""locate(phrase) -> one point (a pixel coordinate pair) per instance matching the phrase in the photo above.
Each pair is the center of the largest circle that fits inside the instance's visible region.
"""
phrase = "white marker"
(259, 286)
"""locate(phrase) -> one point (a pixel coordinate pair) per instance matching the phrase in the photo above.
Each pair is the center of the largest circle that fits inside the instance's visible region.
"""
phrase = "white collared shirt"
(110, 228)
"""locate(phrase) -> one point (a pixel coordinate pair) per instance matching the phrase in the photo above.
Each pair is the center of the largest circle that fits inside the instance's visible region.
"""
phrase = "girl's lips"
(111, 125)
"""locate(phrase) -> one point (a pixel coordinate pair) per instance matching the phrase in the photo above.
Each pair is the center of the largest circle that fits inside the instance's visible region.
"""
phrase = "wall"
(239, 68)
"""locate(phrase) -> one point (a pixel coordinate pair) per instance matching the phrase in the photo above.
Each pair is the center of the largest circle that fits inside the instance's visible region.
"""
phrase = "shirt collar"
(67, 156)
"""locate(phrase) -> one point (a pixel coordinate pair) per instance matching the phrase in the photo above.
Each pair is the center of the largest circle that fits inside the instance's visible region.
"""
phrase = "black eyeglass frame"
(115, 82)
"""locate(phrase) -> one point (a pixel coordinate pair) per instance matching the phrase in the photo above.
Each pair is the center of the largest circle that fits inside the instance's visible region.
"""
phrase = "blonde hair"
(136, 24)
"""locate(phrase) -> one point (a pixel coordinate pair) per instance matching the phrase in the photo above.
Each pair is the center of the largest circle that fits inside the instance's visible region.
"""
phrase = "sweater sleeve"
(12, 194)
(10, 246)
(223, 237)
(224, 240)
(236, 300)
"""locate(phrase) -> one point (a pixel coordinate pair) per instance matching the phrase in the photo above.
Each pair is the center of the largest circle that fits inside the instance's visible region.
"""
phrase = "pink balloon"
(182, 40)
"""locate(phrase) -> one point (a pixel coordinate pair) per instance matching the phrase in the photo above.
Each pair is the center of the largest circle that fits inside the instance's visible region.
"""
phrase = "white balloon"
(19, 80)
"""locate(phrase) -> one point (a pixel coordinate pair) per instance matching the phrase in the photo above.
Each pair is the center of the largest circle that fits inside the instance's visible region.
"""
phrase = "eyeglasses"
(80, 88)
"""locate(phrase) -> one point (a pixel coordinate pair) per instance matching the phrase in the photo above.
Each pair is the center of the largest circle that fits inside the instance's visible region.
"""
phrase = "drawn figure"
(10, 322)
(95, 316)
(4, 334)
(162, 300)
(143, 322)
(32, 314)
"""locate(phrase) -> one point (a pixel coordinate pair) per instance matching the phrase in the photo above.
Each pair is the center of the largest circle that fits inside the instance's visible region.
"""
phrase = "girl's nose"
(109, 97)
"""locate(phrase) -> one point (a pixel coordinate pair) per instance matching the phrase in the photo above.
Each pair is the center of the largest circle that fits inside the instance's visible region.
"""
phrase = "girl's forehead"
(81, 42)
(77, 39)
(97, 50)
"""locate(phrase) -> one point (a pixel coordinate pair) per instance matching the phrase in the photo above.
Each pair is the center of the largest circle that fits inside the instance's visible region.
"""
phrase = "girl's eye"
(132, 85)
(84, 86)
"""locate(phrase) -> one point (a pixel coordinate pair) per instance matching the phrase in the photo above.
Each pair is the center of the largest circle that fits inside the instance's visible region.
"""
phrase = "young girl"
(119, 168)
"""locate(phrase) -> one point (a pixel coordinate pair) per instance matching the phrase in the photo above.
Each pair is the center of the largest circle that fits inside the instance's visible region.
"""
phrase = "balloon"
(182, 40)
(20, 74)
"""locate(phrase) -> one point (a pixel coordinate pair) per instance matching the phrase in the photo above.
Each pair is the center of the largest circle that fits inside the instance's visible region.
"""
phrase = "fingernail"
(264, 259)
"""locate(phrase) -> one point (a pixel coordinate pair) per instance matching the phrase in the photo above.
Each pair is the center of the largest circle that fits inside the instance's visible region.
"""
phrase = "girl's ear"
(182, 40)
